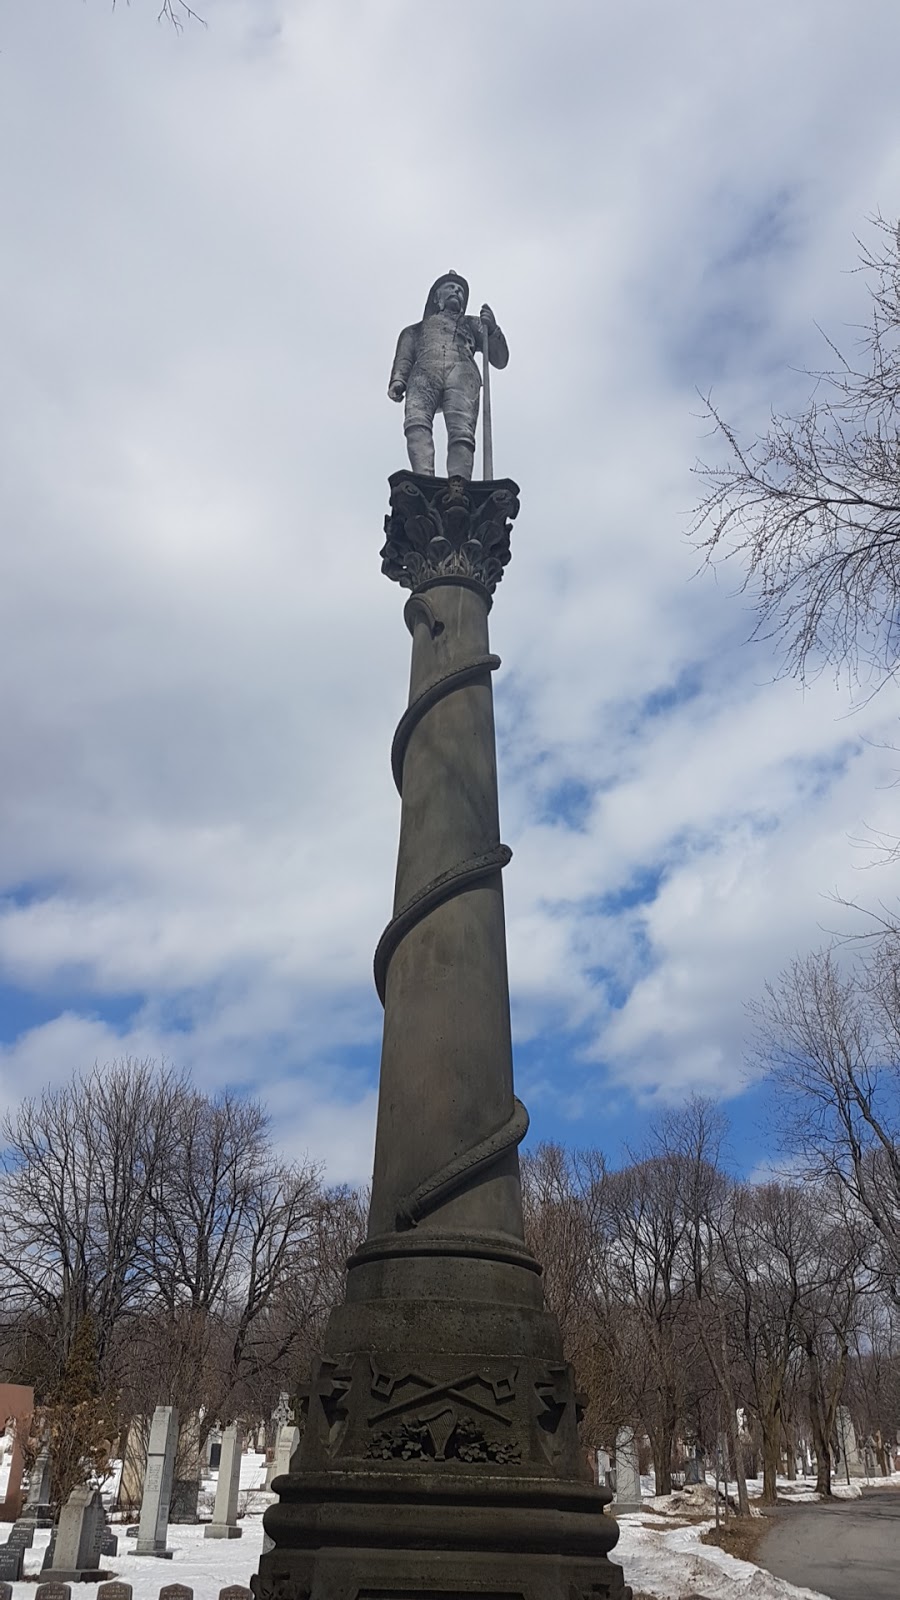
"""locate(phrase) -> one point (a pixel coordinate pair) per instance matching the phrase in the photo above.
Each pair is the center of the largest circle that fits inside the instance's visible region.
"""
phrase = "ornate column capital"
(448, 528)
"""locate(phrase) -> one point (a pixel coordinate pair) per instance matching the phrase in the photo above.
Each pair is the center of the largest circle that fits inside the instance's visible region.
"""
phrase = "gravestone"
(235, 1591)
(47, 1562)
(158, 1480)
(694, 1468)
(188, 1470)
(109, 1544)
(38, 1510)
(11, 1558)
(628, 1477)
(176, 1591)
(114, 1591)
(224, 1522)
(22, 1534)
(851, 1461)
(5, 1591)
(76, 1552)
(53, 1591)
(285, 1445)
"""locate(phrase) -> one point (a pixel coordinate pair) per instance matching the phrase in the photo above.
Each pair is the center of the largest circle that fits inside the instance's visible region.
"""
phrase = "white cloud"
(211, 241)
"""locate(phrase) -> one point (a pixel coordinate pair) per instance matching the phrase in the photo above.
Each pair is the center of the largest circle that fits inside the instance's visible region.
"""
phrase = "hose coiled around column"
(466, 875)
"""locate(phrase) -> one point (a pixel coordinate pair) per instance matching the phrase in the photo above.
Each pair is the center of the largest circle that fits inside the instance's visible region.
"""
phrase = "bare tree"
(831, 1036)
(693, 1137)
(78, 1169)
(812, 507)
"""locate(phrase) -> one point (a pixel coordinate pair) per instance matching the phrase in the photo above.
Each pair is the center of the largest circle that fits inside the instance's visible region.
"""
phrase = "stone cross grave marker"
(158, 1478)
(628, 1478)
(114, 1591)
(224, 1522)
(77, 1545)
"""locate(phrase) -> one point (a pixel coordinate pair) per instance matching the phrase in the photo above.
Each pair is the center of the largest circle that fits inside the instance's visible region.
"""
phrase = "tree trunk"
(770, 1425)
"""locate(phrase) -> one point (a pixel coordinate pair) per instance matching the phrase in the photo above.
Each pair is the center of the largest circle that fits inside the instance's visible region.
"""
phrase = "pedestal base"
(221, 1530)
(440, 1459)
(161, 1555)
(421, 1536)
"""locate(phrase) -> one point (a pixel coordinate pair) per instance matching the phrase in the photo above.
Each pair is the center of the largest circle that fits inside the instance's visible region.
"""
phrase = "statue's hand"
(397, 389)
(488, 318)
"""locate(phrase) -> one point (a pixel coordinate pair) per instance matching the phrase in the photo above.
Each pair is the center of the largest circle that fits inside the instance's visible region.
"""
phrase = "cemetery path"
(849, 1549)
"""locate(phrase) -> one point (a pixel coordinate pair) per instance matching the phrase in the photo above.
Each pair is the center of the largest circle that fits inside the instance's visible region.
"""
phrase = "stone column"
(158, 1478)
(224, 1522)
(440, 1453)
(628, 1475)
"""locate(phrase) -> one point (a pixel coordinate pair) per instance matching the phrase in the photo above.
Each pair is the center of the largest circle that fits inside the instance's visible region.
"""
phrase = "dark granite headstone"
(21, 1534)
(49, 1553)
(5, 1591)
(176, 1591)
(235, 1591)
(109, 1544)
(132, 1531)
(11, 1558)
(53, 1591)
(114, 1591)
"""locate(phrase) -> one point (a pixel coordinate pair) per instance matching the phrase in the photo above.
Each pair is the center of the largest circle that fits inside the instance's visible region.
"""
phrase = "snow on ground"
(675, 1565)
(205, 1565)
(668, 1563)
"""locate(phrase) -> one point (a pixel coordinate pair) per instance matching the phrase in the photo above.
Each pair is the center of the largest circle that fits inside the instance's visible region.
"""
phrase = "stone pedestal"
(158, 1480)
(76, 1550)
(224, 1522)
(440, 1456)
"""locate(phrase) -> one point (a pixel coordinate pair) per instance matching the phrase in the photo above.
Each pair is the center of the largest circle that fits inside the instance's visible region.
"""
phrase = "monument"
(440, 1456)
(158, 1479)
(224, 1522)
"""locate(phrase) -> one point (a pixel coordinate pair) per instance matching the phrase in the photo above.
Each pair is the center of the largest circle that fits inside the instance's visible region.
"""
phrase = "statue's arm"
(404, 360)
(498, 349)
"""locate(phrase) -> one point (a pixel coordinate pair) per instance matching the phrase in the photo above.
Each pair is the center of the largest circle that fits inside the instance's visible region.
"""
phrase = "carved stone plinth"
(440, 1456)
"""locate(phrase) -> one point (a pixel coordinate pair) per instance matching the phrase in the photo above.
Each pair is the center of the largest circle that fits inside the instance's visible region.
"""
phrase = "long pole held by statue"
(487, 445)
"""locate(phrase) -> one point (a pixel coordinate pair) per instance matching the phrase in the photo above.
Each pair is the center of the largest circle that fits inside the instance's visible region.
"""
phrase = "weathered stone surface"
(114, 1591)
(628, 1477)
(224, 1522)
(81, 1522)
(158, 1479)
(440, 1454)
(176, 1591)
(11, 1559)
(435, 370)
(447, 528)
(235, 1591)
(53, 1591)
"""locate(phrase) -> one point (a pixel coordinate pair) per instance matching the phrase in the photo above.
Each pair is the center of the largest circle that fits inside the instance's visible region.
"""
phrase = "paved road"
(849, 1549)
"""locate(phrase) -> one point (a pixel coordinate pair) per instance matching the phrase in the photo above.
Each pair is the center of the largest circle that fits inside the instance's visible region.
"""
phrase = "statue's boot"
(460, 458)
(420, 445)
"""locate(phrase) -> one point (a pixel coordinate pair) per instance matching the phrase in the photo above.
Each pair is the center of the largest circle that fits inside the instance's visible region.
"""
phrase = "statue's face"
(450, 297)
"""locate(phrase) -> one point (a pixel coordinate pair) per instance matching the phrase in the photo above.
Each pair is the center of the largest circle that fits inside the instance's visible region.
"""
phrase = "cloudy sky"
(210, 241)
